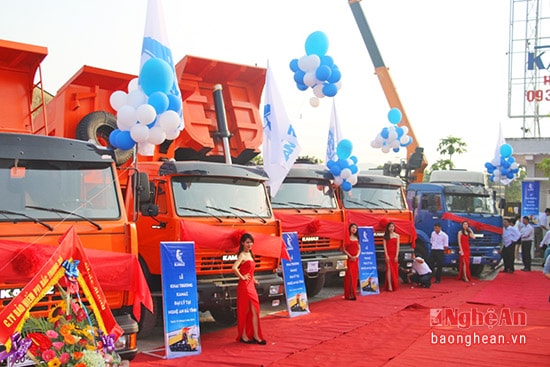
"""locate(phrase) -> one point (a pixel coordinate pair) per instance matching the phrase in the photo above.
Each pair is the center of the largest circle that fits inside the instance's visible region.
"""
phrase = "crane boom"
(416, 159)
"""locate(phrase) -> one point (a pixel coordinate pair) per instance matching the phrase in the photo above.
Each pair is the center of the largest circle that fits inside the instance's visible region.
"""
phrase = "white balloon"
(126, 117)
(496, 162)
(405, 130)
(309, 63)
(118, 99)
(139, 133)
(514, 165)
(379, 139)
(375, 144)
(146, 149)
(133, 85)
(146, 114)
(404, 139)
(171, 135)
(338, 180)
(386, 149)
(310, 80)
(156, 135)
(136, 98)
(352, 179)
(169, 120)
(394, 144)
(345, 173)
(314, 101)
(318, 91)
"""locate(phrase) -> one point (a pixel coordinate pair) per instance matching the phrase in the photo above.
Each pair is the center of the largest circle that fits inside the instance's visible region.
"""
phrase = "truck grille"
(216, 265)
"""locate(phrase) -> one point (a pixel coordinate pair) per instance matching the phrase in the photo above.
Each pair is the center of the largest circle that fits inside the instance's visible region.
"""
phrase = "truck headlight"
(340, 264)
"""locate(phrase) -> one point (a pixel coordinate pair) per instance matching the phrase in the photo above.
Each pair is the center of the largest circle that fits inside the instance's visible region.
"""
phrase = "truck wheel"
(224, 315)
(314, 285)
(476, 269)
(97, 126)
(148, 320)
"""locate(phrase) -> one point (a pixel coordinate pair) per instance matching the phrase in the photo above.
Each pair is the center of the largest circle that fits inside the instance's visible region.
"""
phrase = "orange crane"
(416, 161)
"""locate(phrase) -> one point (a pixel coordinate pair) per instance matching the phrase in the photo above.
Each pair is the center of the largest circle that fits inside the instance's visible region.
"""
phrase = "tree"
(544, 165)
(448, 146)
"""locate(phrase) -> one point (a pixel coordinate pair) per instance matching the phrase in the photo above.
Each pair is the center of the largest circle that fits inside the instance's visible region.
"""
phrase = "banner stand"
(293, 274)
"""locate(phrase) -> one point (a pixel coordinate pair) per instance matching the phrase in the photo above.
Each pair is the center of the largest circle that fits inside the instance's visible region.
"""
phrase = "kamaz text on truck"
(450, 198)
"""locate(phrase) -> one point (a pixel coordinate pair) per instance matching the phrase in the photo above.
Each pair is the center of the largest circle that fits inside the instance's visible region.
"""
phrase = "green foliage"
(448, 147)
(544, 165)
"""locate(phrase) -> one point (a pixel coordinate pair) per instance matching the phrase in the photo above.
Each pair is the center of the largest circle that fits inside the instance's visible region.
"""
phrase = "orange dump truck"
(190, 181)
(51, 184)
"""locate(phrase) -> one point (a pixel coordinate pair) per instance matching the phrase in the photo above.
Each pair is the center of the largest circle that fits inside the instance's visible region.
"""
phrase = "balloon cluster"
(316, 69)
(150, 112)
(392, 137)
(505, 168)
(344, 166)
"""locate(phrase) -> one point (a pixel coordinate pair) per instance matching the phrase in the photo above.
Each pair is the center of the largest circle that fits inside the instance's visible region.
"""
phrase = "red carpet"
(394, 329)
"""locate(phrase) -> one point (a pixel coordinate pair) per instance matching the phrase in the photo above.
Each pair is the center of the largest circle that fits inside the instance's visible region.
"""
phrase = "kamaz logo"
(310, 239)
(378, 234)
(534, 59)
(229, 257)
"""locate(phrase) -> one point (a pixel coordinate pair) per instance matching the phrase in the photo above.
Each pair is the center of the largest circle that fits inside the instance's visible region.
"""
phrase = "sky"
(447, 59)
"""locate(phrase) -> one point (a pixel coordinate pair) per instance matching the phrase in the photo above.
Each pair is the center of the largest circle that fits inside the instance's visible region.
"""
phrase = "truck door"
(429, 210)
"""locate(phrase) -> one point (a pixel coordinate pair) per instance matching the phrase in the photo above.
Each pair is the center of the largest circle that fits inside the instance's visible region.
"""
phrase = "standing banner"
(368, 272)
(180, 301)
(530, 192)
(295, 286)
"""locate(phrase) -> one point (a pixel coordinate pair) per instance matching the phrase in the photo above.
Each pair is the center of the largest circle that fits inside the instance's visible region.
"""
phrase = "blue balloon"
(156, 75)
(124, 141)
(353, 159)
(343, 149)
(354, 169)
(301, 86)
(399, 131)
(385, 133)
(327, 60)
(395, 116)
(317, 44)
(346, 185)
(159, 101)
(335, 76)
(323, 72)
(489, 165)
(330, 163)
(408, 142)
(330, 89)
(112, 137)
(299, 76)
(174, 103)
(335, 170)
(294, 65)
(510, 175)
(396, 150)
(505, 150)
(342, 163)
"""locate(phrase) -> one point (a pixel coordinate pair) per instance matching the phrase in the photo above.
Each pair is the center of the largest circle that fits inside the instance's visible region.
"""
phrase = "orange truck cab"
(51, 184)
(375, 201)
(306, 203)
(189, 179)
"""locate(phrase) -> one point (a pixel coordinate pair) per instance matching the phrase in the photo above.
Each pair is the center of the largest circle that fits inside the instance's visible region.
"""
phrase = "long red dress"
(247, 297)
(392, 267)
(352, 273)
(464, 260)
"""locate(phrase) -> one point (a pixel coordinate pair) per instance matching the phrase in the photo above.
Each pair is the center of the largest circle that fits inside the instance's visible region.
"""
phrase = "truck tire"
(476, 269)
(97, 126)
(148, 320)
(314, 285)
(224, 315)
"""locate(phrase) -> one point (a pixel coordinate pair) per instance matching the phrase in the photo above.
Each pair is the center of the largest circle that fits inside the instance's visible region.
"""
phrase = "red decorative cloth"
(312, 226)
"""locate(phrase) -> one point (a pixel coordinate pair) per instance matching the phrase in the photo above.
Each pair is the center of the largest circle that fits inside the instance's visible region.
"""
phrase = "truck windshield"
(220, 197)
(470, 204)
(375, 197)
(46, 190)
(305, 194)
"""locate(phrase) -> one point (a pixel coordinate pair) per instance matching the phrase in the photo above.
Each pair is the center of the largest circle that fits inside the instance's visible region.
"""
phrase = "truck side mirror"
(143, 188)
(415, 202)
(149, 210)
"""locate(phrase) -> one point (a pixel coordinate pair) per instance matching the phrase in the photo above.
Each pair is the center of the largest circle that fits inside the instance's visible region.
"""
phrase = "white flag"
(155, 41)
(334, 134)
(280, 145)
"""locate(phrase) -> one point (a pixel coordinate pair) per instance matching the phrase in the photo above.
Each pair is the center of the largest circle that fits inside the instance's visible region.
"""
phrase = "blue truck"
(451, 197)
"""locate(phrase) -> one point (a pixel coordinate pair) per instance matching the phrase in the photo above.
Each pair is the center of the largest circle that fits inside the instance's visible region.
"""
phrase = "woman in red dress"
(248, 303)
(352, 250)
(464, 236)
(391, 253)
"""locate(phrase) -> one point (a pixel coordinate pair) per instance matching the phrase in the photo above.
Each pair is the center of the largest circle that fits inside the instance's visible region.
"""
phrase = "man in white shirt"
(510, 236)
(527, 238)
(440, 242)
(421, 272)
